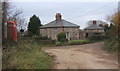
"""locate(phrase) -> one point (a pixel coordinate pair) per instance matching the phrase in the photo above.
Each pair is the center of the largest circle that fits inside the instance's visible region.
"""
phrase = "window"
(56, 30)
(14, 25)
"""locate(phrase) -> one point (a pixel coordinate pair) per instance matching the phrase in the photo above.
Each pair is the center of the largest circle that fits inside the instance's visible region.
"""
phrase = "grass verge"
(25, 54)
(72, 42)
(111, 46)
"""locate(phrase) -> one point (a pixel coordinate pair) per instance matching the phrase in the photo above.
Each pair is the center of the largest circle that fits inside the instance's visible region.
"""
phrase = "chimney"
(94, 22)
(58, 16)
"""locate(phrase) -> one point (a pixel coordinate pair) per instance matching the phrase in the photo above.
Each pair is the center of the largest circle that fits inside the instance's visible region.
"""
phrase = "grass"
(72, 42)
(78, 40)
(25, 54)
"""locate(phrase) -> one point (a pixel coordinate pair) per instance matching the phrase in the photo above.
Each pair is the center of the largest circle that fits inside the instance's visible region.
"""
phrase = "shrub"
(62, 37)
(111, 45)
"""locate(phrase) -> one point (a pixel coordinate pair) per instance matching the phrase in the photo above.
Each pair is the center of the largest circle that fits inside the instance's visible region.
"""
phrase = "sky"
(76, 11)
(64, 0)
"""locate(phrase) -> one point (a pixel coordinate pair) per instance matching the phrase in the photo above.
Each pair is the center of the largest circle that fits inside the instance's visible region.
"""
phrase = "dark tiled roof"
(94, 27)
(60, 23)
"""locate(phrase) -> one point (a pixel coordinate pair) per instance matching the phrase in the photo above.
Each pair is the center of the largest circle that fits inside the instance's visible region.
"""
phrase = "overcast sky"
(75, 11)
(64, 0)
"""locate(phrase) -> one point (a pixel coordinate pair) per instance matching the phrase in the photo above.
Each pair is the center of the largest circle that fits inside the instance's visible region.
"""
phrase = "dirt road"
(88, 56)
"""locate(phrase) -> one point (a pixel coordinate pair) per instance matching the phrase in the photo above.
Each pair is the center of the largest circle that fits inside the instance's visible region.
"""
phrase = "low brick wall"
(40, 41)
(46, 41)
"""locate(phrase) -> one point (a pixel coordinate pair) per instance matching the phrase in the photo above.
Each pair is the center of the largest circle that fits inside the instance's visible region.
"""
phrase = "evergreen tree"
(34, 24)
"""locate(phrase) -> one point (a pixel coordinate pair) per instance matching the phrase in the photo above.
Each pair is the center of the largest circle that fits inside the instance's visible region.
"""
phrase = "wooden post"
(0, 24)
(0, 35)
(4, 20)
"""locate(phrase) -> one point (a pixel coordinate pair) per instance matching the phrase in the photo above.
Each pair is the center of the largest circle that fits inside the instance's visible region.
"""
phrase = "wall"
(92, 32)
(82, 34)
(72, 33)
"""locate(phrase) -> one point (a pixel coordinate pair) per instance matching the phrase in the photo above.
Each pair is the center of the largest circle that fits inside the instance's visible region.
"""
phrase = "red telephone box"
(12, 31)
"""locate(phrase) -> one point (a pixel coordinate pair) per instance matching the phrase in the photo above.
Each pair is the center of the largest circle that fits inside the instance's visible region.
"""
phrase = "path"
(88, 56)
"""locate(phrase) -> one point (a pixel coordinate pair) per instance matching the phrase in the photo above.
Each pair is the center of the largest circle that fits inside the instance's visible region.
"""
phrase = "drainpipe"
(63, 29)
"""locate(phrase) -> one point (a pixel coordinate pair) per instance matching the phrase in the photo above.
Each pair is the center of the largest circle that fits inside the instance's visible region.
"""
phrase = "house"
(59, 25)
(94, 29)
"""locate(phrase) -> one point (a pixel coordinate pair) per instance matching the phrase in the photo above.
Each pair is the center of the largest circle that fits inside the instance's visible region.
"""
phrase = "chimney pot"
(58, 16)
(94, 22)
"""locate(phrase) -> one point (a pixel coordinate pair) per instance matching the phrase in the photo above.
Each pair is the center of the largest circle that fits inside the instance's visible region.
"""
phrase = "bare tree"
(21, 23)
(114, 18)
(15, 14)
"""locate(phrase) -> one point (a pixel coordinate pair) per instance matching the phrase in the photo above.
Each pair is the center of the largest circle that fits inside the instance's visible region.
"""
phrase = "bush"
(62, 37)
(111, 45)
